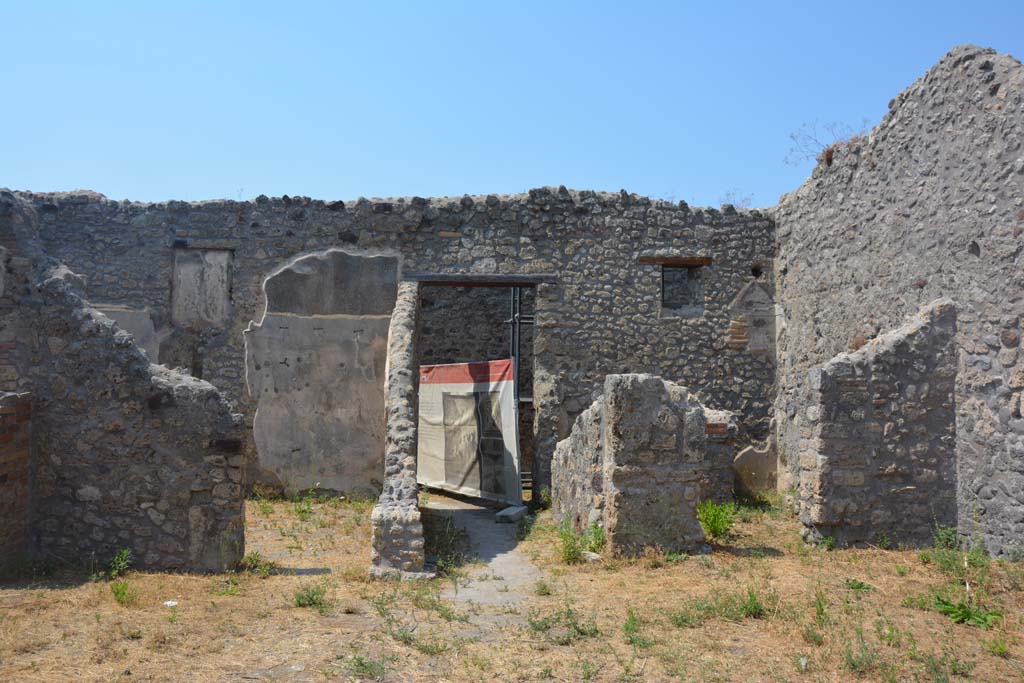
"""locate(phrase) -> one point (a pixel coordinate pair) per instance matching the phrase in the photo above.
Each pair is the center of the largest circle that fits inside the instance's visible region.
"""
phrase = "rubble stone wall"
(635, 463)
(125, 454)
(128, 454)
(577, 471)
(15, 459)
(397, 527)
(929, 204)
(603, 316)
(878, 457)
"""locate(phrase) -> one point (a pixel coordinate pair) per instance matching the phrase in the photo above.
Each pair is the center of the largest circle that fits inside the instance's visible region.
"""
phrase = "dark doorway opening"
(466, 323)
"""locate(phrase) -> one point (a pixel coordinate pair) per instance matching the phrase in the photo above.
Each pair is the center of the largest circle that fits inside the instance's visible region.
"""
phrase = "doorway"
(468, 323)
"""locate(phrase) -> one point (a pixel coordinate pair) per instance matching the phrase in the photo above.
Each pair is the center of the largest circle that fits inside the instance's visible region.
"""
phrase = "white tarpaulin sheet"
(469, 431)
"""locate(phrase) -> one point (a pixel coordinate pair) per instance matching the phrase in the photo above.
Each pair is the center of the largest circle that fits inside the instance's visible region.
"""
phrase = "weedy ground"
(761, 606)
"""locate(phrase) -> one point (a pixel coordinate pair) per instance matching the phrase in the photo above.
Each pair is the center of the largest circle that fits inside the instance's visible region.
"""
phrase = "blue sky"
(693, 101)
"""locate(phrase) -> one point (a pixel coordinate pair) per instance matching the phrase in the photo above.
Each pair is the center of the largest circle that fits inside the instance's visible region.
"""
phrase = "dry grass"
(657, 618)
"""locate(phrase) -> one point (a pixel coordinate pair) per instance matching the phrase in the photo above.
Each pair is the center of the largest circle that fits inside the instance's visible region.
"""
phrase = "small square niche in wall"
(682, 292)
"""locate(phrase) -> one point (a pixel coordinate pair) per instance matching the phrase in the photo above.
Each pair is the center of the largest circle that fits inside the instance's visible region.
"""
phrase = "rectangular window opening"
(682, 292)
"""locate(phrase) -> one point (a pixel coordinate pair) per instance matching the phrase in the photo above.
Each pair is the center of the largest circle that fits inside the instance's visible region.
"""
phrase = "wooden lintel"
(677, 261)
(481, 280)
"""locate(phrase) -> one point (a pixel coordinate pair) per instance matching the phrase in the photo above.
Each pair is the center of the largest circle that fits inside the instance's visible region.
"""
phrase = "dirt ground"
(759, 607)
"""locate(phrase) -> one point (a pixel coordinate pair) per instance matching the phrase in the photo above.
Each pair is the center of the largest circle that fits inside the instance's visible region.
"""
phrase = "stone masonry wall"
(602, 317)
(125, 454)
(878, 457)
(15, 459)
(397, 547)
(929, 204)
(577, 471)
(128, 454)
(635, 463)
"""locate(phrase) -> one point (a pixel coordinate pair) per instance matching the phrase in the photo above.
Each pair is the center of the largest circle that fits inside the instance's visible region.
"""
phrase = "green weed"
(860, 658)
(432, 647)
(858, 585)
(303, 508)
(363, 667)
(446, 541)
(572, 544)
(997, 646)
(255, 563)
(812, 635)
(314, 596)
(226, 587)
(716, 519)
(564, 626)
(124, 592)
(120, 563)
(632, 630)
(748, 604)
(963, 612)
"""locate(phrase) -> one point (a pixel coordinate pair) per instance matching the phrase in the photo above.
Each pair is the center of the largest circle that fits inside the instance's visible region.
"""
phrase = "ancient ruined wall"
(397, 529)
(315, 367)
(577, 471)
(878, 453)
(15, 431)
(719, 482)
(603, 316)
(125, 454)
(635, 463)
(929, 204)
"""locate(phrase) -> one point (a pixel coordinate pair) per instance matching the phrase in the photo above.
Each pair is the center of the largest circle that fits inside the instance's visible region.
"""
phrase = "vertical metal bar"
(516, 301)
(512, 328)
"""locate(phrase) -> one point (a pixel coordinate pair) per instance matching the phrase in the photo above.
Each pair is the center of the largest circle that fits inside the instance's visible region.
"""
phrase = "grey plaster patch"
(138, 322)
(315, 365)
(200, 292)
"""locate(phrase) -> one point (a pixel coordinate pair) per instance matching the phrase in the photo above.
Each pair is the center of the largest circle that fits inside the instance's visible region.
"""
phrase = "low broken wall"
(635, 464)
(878, 459)
(129, 454)
(397, 529)
(15, 458)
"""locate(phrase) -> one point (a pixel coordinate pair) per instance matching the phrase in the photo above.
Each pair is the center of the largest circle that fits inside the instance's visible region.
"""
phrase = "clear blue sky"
(685, 100)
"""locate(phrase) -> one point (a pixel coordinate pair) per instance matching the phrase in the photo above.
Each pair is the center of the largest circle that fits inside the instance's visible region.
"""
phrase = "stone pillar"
(397, 529)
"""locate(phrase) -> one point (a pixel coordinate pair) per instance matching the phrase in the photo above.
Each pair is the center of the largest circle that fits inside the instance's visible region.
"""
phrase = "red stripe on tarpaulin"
(467, 373)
